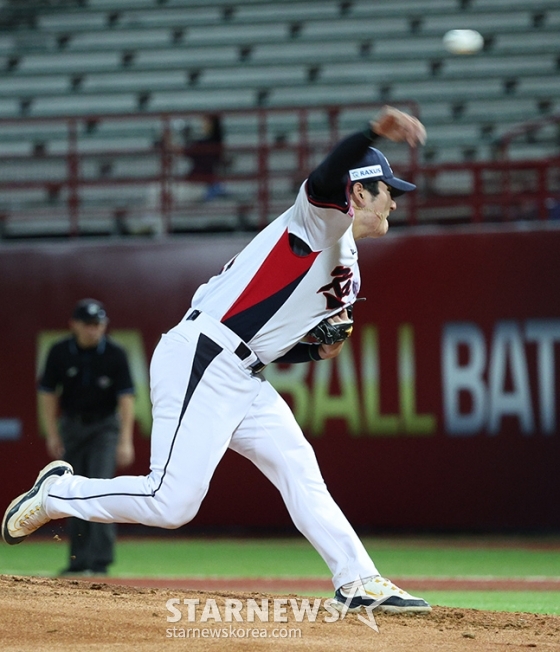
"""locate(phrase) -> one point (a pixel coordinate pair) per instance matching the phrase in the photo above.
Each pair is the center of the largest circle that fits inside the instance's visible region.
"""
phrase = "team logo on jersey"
(339, 287)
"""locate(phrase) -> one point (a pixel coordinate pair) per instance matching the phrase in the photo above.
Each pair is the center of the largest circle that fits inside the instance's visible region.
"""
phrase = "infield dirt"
(39, 614)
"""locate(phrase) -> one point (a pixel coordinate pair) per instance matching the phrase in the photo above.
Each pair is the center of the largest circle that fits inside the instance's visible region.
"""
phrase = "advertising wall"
(441, 413)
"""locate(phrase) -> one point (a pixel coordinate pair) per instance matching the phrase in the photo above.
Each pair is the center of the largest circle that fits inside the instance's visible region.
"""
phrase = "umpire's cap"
(90, 311)
(374, 165)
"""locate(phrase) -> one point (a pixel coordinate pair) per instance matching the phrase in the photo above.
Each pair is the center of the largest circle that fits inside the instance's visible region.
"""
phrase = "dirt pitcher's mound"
(52, 614)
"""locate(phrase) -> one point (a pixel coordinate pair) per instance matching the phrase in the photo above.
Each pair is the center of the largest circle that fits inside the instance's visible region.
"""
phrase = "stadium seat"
(121, 57)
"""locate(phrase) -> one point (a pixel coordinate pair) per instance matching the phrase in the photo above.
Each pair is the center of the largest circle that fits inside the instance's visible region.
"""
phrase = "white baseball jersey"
(272, 297)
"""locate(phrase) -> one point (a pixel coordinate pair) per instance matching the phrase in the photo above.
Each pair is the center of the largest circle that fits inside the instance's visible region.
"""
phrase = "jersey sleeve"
(323, 211)
(301, 352)
(123, 378)
(50, 378)
(318, 227)
(327, 185)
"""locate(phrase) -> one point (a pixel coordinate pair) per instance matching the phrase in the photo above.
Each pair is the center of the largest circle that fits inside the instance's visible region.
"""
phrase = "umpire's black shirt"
(90, 380)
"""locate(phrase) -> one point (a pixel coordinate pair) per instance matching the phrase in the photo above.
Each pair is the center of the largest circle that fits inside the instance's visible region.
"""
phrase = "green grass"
(446, 560)
(179, 558)
(284, 558)
(295, 558)
(539, 602)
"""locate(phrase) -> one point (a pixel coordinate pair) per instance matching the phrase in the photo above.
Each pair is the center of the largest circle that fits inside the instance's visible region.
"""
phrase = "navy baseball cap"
(89, 311)
(374, 165)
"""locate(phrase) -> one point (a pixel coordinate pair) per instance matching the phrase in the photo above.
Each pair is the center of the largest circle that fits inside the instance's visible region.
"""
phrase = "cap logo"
(365, 173)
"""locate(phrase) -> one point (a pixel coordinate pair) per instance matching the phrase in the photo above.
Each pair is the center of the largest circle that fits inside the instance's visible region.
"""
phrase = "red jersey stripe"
(280, 268)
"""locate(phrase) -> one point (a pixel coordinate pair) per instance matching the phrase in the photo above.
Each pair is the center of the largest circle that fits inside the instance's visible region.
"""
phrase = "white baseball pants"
(205, 400)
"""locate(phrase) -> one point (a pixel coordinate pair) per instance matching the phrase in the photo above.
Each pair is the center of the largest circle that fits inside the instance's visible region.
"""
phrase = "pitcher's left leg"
(270, 437)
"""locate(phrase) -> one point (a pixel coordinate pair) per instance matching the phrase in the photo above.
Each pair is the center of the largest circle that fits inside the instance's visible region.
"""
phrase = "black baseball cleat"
(382, 595)
(26, 514)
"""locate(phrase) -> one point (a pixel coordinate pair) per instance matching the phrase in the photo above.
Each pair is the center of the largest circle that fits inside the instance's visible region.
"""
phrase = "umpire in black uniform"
(86, 398)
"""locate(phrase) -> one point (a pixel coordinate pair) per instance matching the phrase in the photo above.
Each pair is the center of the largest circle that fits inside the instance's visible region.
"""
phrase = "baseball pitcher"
(298, 276)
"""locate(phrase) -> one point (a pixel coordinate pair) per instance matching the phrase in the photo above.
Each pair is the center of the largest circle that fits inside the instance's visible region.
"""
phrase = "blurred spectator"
(202, 181)
(207, 157)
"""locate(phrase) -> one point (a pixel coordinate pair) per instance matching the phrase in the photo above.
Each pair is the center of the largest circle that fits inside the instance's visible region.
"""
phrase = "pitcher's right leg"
(190, 379)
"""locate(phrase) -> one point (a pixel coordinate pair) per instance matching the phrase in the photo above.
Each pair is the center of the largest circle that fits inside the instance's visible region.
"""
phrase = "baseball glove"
(328, 333)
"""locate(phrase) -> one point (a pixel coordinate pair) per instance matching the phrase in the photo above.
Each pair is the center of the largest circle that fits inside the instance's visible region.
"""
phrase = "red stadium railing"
(127, 174)
(531, 127)
(496, 191)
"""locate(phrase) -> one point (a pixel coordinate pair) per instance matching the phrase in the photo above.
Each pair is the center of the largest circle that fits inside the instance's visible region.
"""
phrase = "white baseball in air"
(463, 41)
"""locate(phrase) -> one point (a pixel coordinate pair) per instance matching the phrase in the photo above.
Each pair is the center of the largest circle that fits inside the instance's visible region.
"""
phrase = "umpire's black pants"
(91, 450)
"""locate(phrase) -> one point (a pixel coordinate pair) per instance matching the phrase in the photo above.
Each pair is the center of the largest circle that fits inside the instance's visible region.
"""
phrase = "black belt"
(88, 419)
(242, 351)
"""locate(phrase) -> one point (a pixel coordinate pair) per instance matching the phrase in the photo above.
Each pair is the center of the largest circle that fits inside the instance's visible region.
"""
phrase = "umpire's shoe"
(378, 593)
(26, 514)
